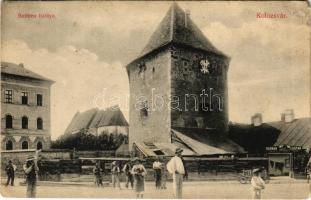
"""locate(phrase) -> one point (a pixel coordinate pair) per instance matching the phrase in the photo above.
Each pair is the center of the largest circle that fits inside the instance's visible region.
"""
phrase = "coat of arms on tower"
(204, 66)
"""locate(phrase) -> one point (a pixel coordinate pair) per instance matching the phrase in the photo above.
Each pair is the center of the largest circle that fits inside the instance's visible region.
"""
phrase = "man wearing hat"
(176, 167)
(257, 184)
(31, 169)
(10, 169)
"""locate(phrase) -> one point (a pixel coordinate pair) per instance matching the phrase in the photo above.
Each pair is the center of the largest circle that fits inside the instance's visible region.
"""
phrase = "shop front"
(283, 160)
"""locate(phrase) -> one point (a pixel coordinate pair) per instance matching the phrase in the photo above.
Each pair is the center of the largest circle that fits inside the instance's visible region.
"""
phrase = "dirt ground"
(206, 190)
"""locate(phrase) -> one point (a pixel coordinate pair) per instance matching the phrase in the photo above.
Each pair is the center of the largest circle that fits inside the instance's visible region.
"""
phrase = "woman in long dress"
(139, 173)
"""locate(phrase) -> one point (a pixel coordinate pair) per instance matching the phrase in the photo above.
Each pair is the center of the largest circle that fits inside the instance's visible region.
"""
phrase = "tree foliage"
(82, 141)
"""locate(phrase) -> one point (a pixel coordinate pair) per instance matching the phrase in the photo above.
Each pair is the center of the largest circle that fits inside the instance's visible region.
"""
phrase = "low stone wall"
(56, 154)
(18, 157)
(95, 154)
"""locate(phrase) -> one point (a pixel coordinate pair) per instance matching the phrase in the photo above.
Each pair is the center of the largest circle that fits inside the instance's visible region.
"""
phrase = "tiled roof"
(110, 117)
(172, 29)
(81, 121)
(257, 138)
(20, 70)
(295, 133)
(95, 118)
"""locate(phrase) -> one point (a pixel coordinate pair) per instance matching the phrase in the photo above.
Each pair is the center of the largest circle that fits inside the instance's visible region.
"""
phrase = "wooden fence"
(64, 165)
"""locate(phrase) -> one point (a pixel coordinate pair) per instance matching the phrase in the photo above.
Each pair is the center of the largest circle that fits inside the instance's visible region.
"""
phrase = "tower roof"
(177, 27)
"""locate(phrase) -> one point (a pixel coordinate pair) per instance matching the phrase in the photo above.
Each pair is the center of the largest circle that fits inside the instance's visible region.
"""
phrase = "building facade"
(25, 108)
(178, 84)
(286, 143)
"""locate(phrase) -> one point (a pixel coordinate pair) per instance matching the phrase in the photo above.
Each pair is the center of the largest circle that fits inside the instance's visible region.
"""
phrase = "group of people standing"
(135, 174)
(30, 169)
(134, 171)
(175, 166)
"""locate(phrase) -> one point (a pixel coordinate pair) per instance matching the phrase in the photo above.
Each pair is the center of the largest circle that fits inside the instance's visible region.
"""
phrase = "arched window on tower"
(39, 123)
(8, 121)
(24, 122)
(9, 145)
(24, 145)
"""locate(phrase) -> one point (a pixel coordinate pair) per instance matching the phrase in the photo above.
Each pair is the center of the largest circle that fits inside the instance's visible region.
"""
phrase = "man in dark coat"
(129, 176)
(10, 173)
(157, 167)
(31, 169)
(98, 175)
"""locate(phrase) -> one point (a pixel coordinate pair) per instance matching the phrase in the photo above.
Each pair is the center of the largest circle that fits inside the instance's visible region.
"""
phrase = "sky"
(86, 46)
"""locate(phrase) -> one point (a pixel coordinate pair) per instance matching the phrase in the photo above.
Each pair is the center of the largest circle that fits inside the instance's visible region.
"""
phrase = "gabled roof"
(172, 29)
(295, 133)
(19, 70)
(81, 121)
(110, 117)
(257, 138)
(95, 118)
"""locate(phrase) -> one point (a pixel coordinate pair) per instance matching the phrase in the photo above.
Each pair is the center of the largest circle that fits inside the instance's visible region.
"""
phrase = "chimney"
(187, 15)
(257, 119)
(288, 116)
(21, 65)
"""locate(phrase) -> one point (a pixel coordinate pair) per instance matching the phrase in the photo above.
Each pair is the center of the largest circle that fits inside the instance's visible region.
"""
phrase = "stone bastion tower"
(178, 87)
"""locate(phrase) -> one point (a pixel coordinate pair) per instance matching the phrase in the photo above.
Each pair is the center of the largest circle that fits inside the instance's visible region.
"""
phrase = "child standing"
(257, 184)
